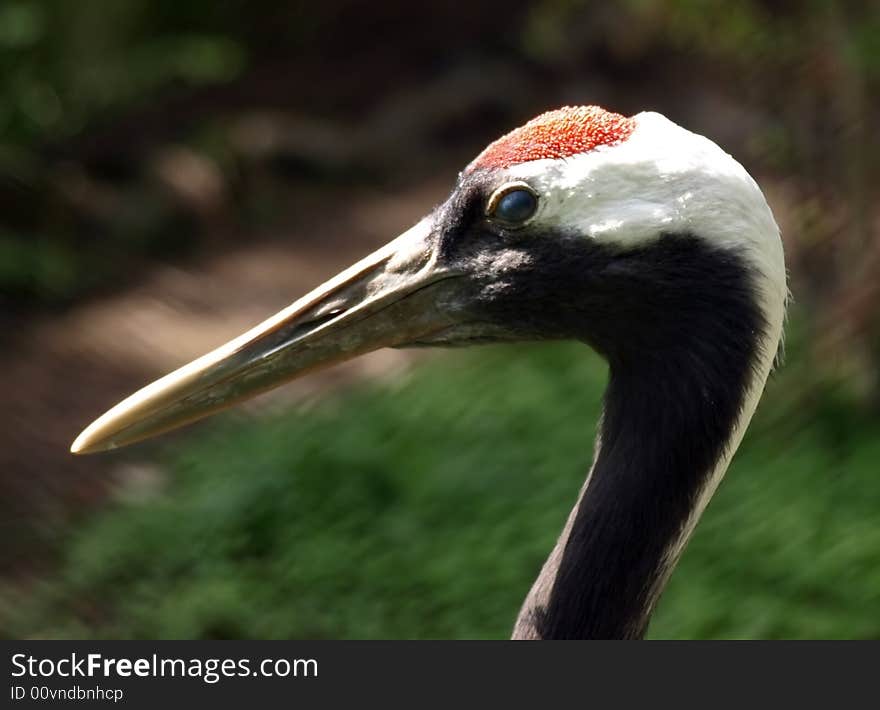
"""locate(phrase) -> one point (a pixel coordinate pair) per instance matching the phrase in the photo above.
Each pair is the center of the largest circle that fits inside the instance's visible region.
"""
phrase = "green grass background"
(424, 507)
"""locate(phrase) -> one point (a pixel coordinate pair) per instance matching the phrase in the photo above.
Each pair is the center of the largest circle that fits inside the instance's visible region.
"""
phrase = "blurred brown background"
(172, 172)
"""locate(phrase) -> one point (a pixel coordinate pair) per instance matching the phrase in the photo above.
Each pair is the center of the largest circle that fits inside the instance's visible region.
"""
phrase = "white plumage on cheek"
(662, 178)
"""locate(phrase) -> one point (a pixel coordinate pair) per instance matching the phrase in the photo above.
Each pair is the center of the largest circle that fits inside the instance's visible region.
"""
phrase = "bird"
(631, 234)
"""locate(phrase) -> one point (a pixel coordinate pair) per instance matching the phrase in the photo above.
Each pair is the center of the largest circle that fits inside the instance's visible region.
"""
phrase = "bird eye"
(513, 204)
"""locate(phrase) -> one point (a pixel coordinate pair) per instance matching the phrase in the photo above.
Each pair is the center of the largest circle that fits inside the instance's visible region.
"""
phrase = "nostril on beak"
(316, 322)
(283, 338)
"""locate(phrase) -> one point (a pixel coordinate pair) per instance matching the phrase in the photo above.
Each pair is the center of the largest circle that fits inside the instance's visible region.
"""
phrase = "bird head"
(631, 234)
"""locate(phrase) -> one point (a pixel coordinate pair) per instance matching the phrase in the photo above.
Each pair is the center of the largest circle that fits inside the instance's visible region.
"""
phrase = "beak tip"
(87, 443)
(79, 446)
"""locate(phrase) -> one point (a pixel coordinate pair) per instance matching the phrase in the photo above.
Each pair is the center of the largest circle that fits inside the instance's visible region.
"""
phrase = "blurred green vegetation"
(424, 509)
(68, 64)
(82, 91)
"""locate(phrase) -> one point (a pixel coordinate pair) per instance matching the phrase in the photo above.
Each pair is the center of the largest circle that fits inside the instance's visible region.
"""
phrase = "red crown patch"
(556, 134)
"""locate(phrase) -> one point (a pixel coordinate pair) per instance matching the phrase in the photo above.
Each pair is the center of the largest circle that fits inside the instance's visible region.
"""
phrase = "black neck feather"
(671, 406)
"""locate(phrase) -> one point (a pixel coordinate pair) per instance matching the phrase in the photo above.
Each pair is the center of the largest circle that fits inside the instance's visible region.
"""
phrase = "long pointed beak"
(387, 299)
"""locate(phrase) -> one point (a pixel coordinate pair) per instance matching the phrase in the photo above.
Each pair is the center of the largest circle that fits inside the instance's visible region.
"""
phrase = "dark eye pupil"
(516, 206)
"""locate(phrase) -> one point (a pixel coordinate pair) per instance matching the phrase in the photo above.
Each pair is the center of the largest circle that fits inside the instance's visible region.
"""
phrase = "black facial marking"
(678, 321)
